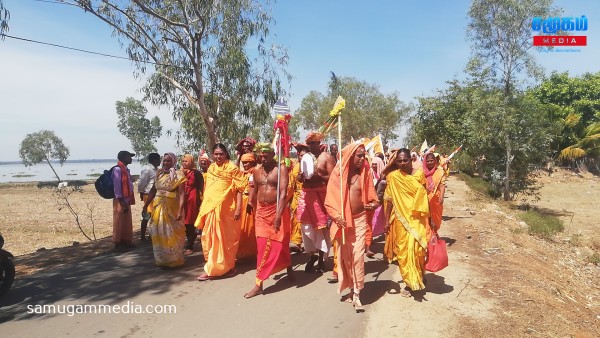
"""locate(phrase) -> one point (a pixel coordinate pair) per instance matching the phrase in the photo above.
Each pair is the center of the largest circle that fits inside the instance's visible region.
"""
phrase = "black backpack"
(104, 184)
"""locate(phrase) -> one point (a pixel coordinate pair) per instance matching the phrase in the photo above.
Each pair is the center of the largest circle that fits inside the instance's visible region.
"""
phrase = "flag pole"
(278, 138)
(341, 174)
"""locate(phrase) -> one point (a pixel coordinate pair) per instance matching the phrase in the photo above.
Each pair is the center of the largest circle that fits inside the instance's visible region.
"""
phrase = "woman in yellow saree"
(219, 217)
(407, 209)
(167, 230)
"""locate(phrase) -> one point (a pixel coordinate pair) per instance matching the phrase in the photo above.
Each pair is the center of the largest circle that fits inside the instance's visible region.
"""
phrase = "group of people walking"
(261, 209)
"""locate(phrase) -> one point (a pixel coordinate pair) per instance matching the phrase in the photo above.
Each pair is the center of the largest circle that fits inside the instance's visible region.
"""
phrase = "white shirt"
(147, 177)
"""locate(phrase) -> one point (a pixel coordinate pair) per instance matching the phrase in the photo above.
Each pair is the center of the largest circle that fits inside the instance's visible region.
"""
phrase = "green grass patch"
(480, 185)
(23, 175)
(595, 258)
(542, 225)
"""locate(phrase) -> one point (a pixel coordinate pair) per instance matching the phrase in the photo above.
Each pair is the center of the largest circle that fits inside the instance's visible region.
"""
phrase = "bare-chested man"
(272, 221)
(349, 214)
(311, 208)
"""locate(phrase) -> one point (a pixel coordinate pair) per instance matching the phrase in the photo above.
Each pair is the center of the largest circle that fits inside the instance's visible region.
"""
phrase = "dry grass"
(30, 218)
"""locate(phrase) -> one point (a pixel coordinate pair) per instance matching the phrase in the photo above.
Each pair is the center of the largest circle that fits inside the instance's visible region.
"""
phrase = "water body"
(70, 170)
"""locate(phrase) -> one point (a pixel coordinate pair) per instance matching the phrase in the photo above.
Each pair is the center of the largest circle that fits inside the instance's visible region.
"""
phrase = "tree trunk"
(51, 167)
(507, 177)
(209, 122)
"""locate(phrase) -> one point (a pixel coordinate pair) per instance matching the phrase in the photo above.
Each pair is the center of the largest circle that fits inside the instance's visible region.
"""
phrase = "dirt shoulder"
(501, 282)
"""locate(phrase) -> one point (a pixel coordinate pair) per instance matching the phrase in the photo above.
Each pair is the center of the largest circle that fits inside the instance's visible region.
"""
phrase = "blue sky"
(409, 46)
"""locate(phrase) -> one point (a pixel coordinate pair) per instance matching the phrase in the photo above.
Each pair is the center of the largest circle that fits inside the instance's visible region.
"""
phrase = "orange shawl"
(333, 202)
(125, 183)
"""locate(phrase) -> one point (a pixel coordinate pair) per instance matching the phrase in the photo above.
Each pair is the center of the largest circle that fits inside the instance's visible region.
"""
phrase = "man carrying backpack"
(145, 184)
(124, 199)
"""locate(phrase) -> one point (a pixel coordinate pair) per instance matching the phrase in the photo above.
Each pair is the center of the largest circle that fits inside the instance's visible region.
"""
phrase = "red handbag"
(437, 255)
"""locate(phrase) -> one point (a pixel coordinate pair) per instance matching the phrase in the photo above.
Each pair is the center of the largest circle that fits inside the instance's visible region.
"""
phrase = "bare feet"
(358, 307)
(405, 293)
(188, 252)
(258, 290)
(310, 265)
(203, 277)
(290, 274)
(347, 297)
(370, 254)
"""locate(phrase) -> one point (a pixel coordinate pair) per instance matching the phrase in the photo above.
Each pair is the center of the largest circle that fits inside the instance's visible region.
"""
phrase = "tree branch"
(158, 16)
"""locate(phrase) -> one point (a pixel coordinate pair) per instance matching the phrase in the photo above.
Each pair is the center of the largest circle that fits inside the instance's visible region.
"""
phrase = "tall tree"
(500, 32)
(4, 17)
(471, 112)
(133, 124)
(43, 146)
(368, 112)
(209, 55)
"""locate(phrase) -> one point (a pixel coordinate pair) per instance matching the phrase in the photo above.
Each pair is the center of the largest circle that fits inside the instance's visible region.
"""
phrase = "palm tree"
(588, 145)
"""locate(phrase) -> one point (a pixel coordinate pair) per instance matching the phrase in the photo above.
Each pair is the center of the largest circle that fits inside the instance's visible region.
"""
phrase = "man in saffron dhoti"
(219, 216)
(407, 210)
(350, 194)
(311, 208)
(124, 199)
(272, 219)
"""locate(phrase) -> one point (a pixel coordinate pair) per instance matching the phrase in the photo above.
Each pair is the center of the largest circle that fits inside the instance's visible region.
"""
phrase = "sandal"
(405, 293)
(204, 277)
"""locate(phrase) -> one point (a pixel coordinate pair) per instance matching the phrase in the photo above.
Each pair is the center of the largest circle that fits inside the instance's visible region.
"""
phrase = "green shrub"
(480, 185)
(595, 258)
(544, 226)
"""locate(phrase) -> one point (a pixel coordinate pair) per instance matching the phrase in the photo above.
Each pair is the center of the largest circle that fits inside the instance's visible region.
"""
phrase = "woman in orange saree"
(436, 188)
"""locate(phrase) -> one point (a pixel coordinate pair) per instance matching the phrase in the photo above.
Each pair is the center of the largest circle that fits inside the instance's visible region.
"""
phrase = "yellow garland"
(340, 104)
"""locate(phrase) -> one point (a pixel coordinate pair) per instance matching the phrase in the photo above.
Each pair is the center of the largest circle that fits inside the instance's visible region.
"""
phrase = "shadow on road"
(124, 276)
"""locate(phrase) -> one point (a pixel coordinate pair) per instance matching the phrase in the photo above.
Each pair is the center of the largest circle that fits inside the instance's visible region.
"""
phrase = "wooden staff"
(341, 174)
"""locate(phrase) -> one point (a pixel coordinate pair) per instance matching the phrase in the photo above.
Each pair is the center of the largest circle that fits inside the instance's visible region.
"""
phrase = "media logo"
(554, 25)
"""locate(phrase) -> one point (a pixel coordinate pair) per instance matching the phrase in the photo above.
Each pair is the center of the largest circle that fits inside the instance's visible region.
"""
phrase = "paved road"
(311, 307)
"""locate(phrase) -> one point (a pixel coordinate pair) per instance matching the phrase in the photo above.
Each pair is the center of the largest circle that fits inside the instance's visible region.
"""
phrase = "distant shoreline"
(67, 161)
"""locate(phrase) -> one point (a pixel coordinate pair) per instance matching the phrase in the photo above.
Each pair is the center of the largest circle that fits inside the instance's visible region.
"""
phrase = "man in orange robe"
(247, 247)
(350, 193)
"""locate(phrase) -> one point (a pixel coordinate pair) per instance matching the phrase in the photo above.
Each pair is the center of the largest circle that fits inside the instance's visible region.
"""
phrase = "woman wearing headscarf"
(194, 185)
(435, 176)
(219, 216)
(375, 229)
(167, 230)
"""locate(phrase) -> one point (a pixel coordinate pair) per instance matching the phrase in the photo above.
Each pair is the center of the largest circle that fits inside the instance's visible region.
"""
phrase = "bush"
(595, 258)
(480, 185)
(544, 226)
